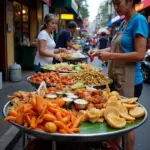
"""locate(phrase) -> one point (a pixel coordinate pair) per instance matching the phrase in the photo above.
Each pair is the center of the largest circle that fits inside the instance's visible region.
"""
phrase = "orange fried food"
(44, 115)
(51, 78)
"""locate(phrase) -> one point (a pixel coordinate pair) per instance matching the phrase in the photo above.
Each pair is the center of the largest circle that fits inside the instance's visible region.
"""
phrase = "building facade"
(21, 21)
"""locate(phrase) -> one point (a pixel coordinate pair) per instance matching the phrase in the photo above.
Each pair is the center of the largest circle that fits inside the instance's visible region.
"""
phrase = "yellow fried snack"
(126, 100)
(95, 113)
(82, 113)
(122, 109)
(137, 112)
(109, 110)
(129, 106)
(115, 121)
(130, 100)
(133, 100)
(127, 117)
(94, 120)
(113, 104)
(113, 99)
(114, 93)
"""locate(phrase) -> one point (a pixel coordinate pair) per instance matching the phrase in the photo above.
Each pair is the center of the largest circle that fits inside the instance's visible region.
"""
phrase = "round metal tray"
(89, 132)
(37, 85)
(102, 86)
(75, 58)
(63, 71)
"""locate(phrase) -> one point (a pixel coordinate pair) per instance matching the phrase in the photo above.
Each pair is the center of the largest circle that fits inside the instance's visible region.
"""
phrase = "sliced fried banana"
(129, 106)
(113, 104)
(112, 99)
(133, 100)
(114, 93)
(109, 110)
(137, 112)
(127, 117)
(115, 121)
(130, 100)
(122, 109)
(125, 100)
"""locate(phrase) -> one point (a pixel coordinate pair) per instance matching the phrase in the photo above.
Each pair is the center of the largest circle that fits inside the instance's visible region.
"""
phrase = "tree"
(83, 7)
(104, 15)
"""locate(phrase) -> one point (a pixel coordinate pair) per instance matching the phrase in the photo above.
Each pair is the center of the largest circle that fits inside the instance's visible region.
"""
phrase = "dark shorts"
(138, 90)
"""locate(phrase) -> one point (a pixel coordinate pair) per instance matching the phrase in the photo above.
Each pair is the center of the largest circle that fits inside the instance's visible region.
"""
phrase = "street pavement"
(7, 132)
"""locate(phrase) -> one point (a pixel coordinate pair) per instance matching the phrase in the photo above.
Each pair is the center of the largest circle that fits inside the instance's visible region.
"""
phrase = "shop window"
(21, 24)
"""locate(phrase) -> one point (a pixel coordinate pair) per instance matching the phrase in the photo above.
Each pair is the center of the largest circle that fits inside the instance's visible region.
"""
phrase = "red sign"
(142, 5)
(48, 2)
(86, 22)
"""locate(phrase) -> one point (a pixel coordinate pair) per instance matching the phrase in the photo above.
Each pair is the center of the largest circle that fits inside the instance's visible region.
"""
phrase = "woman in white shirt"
(46, 44)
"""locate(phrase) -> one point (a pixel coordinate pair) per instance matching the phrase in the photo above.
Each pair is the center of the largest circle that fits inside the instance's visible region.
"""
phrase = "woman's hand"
(93, 53)
(105, 56)
(62, 49)
(58, 58)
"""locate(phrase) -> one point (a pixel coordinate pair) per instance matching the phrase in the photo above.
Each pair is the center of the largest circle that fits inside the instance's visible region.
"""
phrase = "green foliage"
(104, 14)
(83, 8)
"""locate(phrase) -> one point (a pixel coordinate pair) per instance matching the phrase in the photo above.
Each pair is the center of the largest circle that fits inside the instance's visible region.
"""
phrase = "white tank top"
(50, 45)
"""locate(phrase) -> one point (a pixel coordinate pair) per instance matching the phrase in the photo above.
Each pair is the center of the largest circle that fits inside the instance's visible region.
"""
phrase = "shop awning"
(141, 6)
(108, 24)
(114, 20)
(69, 4)
(144, 4)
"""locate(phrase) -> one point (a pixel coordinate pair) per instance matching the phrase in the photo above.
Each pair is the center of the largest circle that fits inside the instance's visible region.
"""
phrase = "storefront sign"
(48, 2)
(86, 22)
(144, 4)
(67, 16)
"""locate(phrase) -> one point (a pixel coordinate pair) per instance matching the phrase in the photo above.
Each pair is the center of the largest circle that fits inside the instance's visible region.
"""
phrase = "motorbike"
(145, 66)
(86, 48)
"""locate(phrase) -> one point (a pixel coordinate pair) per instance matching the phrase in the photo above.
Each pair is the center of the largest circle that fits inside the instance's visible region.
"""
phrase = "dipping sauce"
(50, 96)
(80, 103)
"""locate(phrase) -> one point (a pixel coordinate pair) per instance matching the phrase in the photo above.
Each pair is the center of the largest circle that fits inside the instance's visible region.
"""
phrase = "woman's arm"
(138, 55)
(98, 52)
(108, 49)
(42, 51)
(46, 53)
(58, 50)
(69, 44)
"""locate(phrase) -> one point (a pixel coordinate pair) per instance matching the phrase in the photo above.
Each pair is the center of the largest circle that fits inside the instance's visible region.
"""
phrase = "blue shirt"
(136, 25)
(82, 43)
(63, 38)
